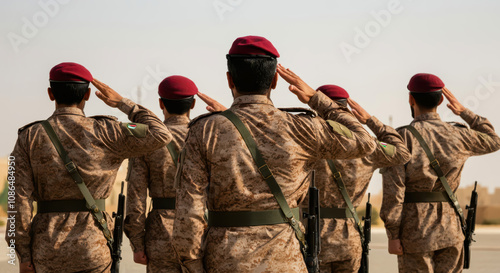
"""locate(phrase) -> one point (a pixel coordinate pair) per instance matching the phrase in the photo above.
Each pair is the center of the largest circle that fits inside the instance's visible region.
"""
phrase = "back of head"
(426, 89)
(335, 93)
(69, 82)
(177, 94)
(252, 64)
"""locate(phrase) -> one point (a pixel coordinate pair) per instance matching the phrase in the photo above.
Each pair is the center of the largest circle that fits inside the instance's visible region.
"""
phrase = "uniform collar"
(180, 119)
(69, 111)
(252, 99)
(428, 116)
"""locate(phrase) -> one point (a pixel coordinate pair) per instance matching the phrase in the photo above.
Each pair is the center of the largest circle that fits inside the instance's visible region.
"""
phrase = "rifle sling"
(337, 176)
(266, 173)
(73, 172)
(173, 152)
(437, 168)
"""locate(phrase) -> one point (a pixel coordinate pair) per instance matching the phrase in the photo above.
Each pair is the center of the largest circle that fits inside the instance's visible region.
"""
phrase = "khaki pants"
(450, 259)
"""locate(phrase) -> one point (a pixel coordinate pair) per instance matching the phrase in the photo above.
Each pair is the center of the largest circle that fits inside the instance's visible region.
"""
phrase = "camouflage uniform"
(218, 170)
(340, 241)
(156, 172)
(429, 232)
(72, 241)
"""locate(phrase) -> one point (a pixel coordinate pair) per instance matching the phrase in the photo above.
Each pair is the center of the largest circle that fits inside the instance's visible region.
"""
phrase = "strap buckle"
(337, 175)
(265, 171)
(435, 163)
(70, 166)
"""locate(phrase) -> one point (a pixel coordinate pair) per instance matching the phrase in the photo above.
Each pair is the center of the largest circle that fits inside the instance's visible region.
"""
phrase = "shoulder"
(299, 111)
(457, 124)
(104, 117)
(201, 117)
(28, 126)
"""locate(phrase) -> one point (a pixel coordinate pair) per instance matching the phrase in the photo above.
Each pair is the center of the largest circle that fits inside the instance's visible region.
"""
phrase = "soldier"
(150, 237)
(63, 236)
(247, 230)
(421, 221)
(340, 236)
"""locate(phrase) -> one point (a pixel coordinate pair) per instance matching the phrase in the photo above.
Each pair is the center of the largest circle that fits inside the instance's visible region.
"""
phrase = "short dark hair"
(252, 75)
(178, 107)
(427, 100)
(69, 93)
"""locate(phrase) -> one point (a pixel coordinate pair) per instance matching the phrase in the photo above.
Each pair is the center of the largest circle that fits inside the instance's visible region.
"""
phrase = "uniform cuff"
(375, 125)
(126, 105)
(137, 245)
(392, 234)
(322, 104)
(192, 266)
(468, 116)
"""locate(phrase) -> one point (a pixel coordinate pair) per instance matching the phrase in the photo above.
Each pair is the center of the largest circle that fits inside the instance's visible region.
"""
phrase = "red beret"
(176, 88)
(425, 83)
(253, 45)
(70, 72)
(334, 92)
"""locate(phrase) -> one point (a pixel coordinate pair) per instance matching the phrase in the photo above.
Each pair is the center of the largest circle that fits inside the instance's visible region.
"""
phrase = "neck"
(167, 115)
(80, 106)
(237, 94)
(419, 111)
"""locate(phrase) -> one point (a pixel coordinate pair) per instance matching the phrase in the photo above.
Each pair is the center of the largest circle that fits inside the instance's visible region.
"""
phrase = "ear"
(51, 96)
(275, 81)
(161, 104)
(441, 100)
(230, 82)
(193, 104)
(87, 95)
(411, 100)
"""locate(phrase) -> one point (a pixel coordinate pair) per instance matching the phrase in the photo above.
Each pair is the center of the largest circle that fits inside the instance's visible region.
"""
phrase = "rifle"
(312, 235)
(116, 254)
(470, 225)
(367, 235)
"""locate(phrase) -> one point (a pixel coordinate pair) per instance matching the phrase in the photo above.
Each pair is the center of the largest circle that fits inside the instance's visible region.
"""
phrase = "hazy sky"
(371, 48)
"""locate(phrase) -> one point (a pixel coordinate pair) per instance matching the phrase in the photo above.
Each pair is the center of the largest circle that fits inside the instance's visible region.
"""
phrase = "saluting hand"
(358, 111)
(107, 94)
(213, 105)
(303, 91)
(456, 107)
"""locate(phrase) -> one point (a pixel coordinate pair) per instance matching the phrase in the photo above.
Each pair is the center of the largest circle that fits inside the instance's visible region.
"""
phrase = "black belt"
(248, 218)
(426, 197)
(332, 213)
(67, 205)
(163, 203)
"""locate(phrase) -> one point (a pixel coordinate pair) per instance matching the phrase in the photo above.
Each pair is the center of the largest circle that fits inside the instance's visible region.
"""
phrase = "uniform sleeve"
(147, 134)
(19, 222)
(192, 181)
(339, 134)
(390, 150)
(137, 190)
(393, 197)
(481, 138)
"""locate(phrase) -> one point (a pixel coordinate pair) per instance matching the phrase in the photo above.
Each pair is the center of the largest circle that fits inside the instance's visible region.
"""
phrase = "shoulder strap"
(337, 176)
(173, 152)
(73, 171)
(437, 168)
(266, 173)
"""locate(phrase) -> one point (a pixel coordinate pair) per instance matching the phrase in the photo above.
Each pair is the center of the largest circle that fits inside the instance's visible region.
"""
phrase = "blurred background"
(371, 48)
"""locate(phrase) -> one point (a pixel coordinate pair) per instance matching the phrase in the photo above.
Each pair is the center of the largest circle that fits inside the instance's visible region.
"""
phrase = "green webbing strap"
(51, 206)
(335, 213)
(173, 152)
(440, 174)
(337, 176)
(73, 171)
(267, 175)
(248, 218)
